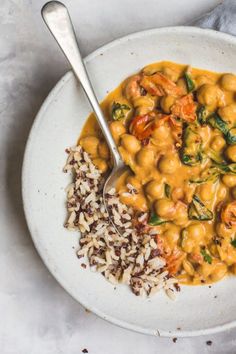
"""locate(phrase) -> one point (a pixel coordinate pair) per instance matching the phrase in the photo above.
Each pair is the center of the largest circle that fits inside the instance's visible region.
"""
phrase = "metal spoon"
(57, 18)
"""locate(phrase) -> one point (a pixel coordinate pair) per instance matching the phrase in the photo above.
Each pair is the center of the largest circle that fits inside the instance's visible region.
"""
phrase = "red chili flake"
(209, 342)
(85, 350)
(174, 340)
(145, 142)
(143, 91)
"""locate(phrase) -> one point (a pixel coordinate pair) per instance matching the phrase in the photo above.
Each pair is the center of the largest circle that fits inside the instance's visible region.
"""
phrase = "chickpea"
(177, 194)
(196, 231)
(222, 191)
(182, 83)
(155, 189)
(217, 143)
(169, 163)
(117, 129)
(137, 201)
(189, 192)
(181, 214)
(231, 153)
(228, 113)
(233, 192)
(202, 79)
(205, 269)
(101, 164)
(144, 104)
(90, 145)
(223, 231)
(172, 235)
(130, 143)
(206, 191)
(170, 73)
(103, 150)
(165, 208)
(230, 256)
(220, 270)
(211, 96)
(161, 133)
(167, 102)
(132, 87)
(214, 250)
(229, 180)
(145, 157)
(187, 243)
(134, 182)
(228, 82)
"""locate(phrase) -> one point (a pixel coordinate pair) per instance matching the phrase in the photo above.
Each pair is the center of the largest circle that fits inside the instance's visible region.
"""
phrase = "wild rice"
(127, 257)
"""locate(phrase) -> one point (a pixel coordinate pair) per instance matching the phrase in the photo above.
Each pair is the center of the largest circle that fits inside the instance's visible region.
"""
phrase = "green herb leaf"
(155, 220)
(207, 258)
(217, 122)
(198, 211)
(233, 243)
(191, 153)
(167, 190)
(213, 172)
(215, 156)
(224, 168)
(231, 136)
(210, 174)
(202, 115)
(119, 111)
(189, 82)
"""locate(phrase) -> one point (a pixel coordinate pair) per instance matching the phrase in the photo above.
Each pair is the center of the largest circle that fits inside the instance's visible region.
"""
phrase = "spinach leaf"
(213, 172)
(233, 243)
(191, 153)
(231, 136)
(167, 190)
(189, 82)
(119, 111)
(207, 258)
(215, 156)
(155, 220)
(217, 122)
(198, 211)
(202, 115)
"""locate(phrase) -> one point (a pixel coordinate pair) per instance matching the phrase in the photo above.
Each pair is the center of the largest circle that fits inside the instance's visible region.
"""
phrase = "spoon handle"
(57, 18)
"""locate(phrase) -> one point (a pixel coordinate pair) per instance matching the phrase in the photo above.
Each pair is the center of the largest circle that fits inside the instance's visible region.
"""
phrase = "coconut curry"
(175, 127)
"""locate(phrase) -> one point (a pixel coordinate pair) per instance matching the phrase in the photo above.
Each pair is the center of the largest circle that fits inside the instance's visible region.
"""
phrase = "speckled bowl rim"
(67, 77)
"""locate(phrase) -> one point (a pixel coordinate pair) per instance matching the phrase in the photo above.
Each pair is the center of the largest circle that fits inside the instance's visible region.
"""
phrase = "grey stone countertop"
(36, 315)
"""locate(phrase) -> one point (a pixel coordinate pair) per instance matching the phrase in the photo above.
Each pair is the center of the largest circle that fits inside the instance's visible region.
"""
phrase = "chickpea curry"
(175, 127)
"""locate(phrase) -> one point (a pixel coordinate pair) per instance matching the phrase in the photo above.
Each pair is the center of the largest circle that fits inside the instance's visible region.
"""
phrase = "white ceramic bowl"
(198, 310)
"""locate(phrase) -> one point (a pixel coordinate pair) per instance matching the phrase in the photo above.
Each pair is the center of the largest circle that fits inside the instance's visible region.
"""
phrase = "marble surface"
(37, 315)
